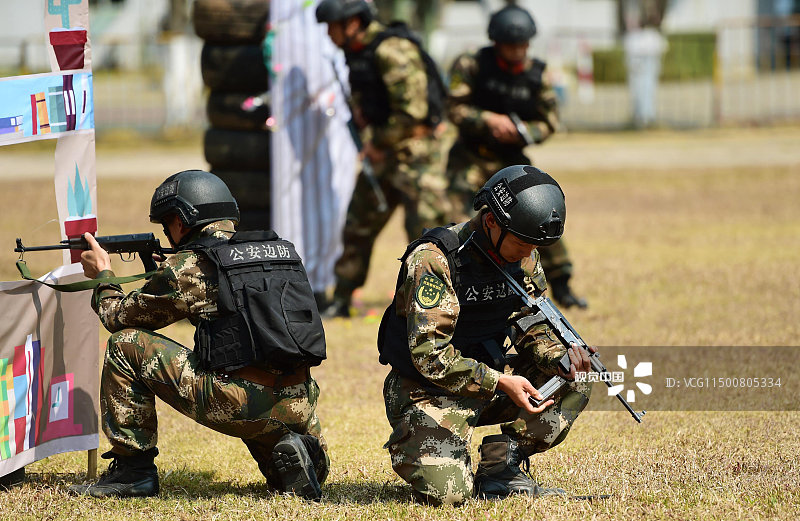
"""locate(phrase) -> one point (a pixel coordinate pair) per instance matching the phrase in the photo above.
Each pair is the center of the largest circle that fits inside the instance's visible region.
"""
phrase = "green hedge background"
(690, 56)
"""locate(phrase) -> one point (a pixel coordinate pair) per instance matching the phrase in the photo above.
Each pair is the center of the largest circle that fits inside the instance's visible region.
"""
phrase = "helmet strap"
(496, 246)
(500, 239)
(168, 234)
(183, 239)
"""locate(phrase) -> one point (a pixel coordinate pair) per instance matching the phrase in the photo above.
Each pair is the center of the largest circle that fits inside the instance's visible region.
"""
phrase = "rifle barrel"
(22, 249)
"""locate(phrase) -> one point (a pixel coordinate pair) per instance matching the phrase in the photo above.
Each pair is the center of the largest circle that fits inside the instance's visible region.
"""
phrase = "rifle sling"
(81, 285)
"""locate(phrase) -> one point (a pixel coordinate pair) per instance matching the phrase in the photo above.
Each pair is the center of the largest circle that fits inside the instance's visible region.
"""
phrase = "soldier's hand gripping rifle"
(143, 244)
(366, 165)
(522, 130)
(545, 312)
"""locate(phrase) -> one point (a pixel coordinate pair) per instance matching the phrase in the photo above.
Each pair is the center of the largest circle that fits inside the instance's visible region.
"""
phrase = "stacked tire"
(237, 142)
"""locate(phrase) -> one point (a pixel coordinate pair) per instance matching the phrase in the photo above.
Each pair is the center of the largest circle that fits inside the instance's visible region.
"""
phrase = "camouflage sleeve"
(403, 73)
(177, 290)
(547, 121)
(539, 342)
(460, 108)
(429, 301)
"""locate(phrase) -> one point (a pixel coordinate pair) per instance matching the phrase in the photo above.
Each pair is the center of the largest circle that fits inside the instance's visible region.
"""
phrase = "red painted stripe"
(19, 360)
(19, 434)
(34, 119)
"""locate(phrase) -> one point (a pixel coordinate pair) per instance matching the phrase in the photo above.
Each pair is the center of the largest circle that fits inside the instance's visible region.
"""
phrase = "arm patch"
(429, 292)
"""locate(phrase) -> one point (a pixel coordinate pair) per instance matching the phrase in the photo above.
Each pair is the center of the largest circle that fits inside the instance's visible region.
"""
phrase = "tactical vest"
(267, 315)
(366, 80)
(503, 92)
(485, 299)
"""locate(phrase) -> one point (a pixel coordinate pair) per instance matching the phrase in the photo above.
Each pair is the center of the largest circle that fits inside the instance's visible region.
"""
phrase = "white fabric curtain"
(313, 156)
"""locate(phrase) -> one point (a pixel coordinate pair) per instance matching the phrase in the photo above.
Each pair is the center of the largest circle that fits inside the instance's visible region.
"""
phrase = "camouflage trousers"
(431, 432)
(140, 365)
(412, 175)
(467, 171)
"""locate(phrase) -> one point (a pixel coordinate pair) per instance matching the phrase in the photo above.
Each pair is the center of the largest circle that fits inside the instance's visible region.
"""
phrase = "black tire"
(231, 21)
(249, 187)
(234, 68)
(237, 149)
(224, 111)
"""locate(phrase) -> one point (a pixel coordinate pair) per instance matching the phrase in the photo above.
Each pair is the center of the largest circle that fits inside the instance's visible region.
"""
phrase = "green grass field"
(693, 256)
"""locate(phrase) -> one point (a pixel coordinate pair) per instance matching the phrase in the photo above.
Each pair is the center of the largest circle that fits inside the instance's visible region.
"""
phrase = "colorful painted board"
(49, 356)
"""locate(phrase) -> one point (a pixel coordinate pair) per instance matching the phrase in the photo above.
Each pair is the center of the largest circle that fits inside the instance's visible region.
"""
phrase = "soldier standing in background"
(397, 104)
(501, 104)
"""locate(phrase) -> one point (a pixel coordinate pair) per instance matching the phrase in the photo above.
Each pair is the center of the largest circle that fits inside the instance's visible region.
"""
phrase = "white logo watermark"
(642, 370)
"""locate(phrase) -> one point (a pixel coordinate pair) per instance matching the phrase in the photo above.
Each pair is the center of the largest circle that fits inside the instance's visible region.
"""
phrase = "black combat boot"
(318, 457)
(12, 479)
(295, 467)
(127, 476)
(499, 474)
(339, 307)
(563, 294)
(266, 465)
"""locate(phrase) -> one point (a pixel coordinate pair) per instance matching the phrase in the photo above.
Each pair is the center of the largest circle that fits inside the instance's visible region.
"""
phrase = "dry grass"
(683, 257)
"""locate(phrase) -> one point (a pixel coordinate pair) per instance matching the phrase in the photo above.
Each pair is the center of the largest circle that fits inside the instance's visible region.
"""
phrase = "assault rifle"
(545, 312)
(144, 244)
(366, 165)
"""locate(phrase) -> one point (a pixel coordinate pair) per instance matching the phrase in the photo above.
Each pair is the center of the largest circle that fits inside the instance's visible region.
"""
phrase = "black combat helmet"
(196, 196)
(526, 202)
(336, 10)
(511, 24)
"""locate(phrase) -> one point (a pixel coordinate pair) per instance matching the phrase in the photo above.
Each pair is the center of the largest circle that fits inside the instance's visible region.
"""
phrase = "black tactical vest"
(486, 303)
(266, 310)
(365, 79)
(503, 92)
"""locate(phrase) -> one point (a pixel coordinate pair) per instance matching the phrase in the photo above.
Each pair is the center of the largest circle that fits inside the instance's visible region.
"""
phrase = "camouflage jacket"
(470, 119)
(403, 72)
(431, 329)
(184, 286)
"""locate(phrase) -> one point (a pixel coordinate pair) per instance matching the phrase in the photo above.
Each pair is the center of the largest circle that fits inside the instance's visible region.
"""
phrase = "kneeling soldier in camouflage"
(258, 332)
(444, 338)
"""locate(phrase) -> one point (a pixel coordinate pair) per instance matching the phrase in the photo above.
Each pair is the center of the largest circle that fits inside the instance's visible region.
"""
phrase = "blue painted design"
(62, 9)
(79, 197)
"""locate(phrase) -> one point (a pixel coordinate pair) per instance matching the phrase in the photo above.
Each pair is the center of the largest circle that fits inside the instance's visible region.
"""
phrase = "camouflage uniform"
(411, 173)
(433, 424)
(469, 166)
(141, 364)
